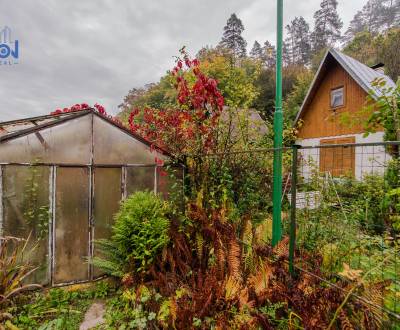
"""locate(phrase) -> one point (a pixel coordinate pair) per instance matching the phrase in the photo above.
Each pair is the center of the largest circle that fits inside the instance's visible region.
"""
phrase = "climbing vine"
(35, 213)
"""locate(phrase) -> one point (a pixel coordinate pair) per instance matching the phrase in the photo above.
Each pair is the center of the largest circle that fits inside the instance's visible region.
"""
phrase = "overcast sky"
(95, 51)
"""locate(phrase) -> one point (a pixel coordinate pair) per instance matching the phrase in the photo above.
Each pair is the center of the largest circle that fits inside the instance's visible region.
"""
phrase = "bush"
(139, 234)
(14, 268)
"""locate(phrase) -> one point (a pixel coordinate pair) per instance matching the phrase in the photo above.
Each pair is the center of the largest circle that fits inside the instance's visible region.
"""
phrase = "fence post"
(292, 233)
(278, 131)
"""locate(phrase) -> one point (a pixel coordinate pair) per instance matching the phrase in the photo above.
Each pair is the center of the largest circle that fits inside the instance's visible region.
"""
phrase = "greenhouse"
(61, 180)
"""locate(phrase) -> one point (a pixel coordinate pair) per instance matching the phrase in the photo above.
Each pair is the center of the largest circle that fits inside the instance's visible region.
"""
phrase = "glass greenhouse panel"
(71, 224)
(67, 143)
(140, 179)
(170, 180)
(26, 212)
(114, 146)
(107, 195)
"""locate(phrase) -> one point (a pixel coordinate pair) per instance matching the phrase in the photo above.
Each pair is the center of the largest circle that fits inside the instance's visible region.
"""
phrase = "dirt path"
(94, 316)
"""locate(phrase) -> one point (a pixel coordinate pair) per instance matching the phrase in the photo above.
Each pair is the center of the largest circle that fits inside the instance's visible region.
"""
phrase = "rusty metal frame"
(52, 223)
(155, 179)
(91, 220)
(90, 223)
(41, 117)
(124, 175)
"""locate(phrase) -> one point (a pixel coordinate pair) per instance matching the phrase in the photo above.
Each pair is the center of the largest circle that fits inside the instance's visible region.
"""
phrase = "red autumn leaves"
(187, 128)
(84, 106)
(192, 123)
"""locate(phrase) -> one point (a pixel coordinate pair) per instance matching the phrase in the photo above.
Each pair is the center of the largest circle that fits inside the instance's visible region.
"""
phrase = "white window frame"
(334, 93)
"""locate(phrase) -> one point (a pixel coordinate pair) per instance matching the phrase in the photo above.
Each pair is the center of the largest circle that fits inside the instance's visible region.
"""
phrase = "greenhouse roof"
(20, 127)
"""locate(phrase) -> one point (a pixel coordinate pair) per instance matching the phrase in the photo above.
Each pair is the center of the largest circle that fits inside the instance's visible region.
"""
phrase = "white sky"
(96, 50)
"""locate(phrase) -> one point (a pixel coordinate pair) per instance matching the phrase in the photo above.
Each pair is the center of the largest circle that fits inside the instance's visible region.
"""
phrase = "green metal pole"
(278, 132)
(292, 242)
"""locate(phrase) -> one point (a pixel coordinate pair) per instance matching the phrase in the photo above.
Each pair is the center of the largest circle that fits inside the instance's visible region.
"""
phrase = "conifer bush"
(139, 234)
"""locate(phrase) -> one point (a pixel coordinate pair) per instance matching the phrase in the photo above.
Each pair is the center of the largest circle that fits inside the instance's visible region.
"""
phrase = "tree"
(391, 13)
(363, 48)
(298, 45)
(232, 38)
(327, 25)
(237, 84)
(189, 127)
(286, 54)
(376, 16)
(289, 47)
(155, 95)
(130, 100)
(356, 26)
(296, 97)
(269, 54)
(370, 49)
(388, 46)
(264, 103)
(256, 52)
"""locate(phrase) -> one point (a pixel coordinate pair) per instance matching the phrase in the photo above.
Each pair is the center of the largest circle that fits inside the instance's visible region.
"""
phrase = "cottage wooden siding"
(322, 124)
(319, 119)
(338, 161)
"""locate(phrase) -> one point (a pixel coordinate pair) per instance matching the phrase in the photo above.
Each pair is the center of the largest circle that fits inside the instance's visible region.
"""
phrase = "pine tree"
(256, 52)
(376, 16)
(232, 38)
(286, 54)
(303, 40)
(388, 14)
(298, 45)
(269, 54)
(290, 44)
(356, 25)
(327, 25)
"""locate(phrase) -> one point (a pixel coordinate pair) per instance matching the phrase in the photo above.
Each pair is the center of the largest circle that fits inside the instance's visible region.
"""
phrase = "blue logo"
(9, 48)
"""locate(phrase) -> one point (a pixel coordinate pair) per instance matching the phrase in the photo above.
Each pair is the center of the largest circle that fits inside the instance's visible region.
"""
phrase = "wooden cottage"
(340, 86)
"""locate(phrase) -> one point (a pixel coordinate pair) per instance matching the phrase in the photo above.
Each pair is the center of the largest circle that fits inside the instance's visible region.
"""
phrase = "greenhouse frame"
(62, 178)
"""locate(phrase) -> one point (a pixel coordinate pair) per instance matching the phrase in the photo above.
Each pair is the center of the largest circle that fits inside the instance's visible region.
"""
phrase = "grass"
(57, 308)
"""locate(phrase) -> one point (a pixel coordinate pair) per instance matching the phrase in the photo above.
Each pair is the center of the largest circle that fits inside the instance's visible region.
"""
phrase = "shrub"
(139, 234)
(14, 267)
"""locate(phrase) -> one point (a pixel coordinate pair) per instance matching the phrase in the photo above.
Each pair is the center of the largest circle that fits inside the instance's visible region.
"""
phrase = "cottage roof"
(361, 73)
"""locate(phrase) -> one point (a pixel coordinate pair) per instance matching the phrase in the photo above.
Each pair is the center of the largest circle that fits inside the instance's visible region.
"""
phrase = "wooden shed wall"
(319, 119)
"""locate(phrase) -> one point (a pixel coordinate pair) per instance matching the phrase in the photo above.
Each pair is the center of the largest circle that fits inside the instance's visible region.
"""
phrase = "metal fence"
(345, 222)
(340, 215)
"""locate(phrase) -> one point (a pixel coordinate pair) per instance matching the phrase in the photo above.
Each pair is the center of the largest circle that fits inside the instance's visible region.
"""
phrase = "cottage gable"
(340, 85)
(320, 118)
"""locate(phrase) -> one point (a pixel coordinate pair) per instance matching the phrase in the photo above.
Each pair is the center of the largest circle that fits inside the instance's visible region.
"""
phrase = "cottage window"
(337, 97)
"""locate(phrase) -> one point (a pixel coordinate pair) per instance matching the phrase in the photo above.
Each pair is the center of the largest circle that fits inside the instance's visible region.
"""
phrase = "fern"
(221, 257)
(199, 245)
(344, 321)
(249, 260)
(374, 315)
(282, 248)
(234, 258)
(232, 288)
(110, 260)
(260, 281)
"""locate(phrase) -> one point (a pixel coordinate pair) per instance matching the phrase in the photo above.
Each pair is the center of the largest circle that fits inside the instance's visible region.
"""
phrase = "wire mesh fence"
(346, 215)
(245, 179)
(340, 216)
